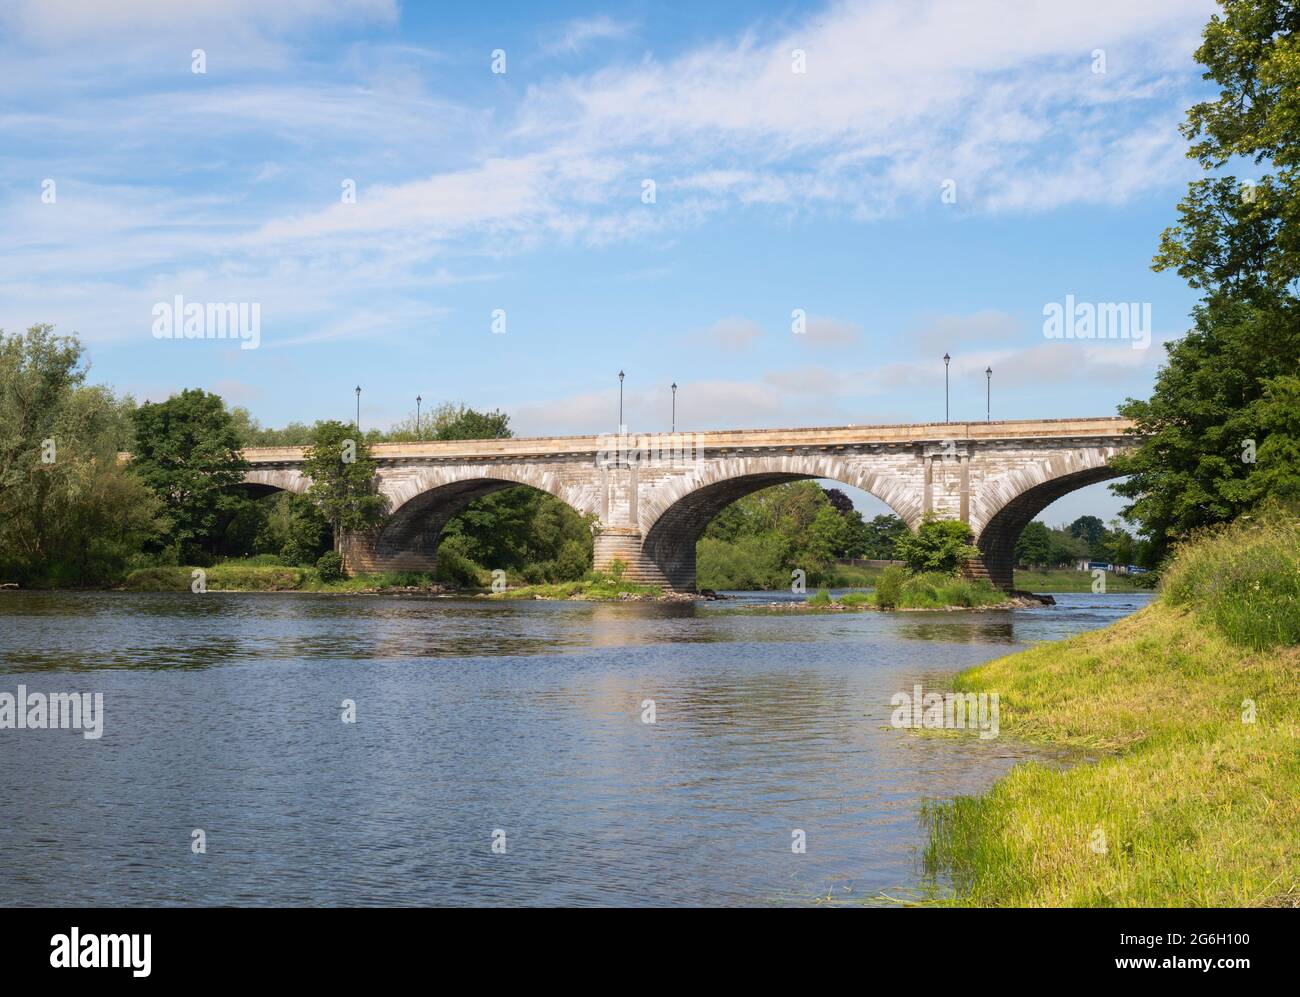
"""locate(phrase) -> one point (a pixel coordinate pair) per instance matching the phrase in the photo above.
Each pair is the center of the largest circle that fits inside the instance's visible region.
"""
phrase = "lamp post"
(418, 399)
(674, 424)
(988, 395)
(946, 360)
(620, 401)
(358, 422)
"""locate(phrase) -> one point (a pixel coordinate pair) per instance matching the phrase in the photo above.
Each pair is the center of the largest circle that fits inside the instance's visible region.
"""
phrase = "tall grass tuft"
(889, 585)
(1245, 577)
(937, 590)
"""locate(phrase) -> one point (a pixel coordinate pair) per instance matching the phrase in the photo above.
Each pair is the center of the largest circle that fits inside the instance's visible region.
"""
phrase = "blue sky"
(774, 190)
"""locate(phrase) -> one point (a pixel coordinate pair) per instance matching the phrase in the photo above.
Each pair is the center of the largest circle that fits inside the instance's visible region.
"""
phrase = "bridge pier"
(624, 543)
(365, 552)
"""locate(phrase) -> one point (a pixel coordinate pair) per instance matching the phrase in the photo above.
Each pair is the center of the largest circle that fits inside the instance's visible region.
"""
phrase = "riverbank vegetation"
(1189, 708)
(74, 515)
(1189, 714)
(896, 588)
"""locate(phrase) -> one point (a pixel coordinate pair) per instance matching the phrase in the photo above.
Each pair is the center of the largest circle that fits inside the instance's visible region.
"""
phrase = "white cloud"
(734, 335)
(581, 32)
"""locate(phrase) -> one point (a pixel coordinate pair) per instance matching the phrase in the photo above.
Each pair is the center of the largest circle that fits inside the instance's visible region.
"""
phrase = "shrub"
(330, 566)
(820, 598)
(889, 585)
(455, 567)
(572, 562)
(1245, 577)
(941, 545)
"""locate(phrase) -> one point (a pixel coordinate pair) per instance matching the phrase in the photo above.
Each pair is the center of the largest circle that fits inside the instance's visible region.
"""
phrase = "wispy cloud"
(577, 34)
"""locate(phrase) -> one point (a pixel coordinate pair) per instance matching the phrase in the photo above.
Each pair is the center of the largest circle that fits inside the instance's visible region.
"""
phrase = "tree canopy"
(187, 452)
(1222, 427)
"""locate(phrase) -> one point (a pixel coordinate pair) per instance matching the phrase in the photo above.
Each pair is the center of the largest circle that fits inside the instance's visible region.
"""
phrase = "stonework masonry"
(649, 512)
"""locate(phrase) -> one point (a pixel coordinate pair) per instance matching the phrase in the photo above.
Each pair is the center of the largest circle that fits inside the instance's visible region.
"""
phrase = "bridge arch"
(1009, 502)
(420, 504)
(675, 515)
(264, 481)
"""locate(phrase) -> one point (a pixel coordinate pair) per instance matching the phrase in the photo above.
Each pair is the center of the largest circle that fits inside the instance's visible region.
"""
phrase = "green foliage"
(1042, 546)
(597, 586)
(70, 512)
(329, 566)
(448, 421)
(292, 527)
(757, 541)
(750, 562)
(889, 586)
(938, 545)
(855, 599)
(941, 590)
(343, 479)
(457, 568)
(252, 434)
(1244, 576)
(1091, 530)
(460, 423)
(523, 531)
(1231, 383)
(1034, 545)
(1245, 245)
(187, 453)
(820, 598)
(1229, 387)
(880, 537)
(232, 577)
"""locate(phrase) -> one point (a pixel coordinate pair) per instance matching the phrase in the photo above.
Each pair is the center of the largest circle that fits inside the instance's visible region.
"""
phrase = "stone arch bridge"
(651, 497)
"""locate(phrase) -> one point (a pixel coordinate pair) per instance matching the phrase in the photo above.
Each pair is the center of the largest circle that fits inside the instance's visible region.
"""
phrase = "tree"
(882, 535)
(1118, 543)
(1065, 548)
(1034, 545)
(456, 422)
(343, 480)
(937, 545)
(1089, 529)
(70, 511)
(1221, 400)
(841, 502)
(187, 452)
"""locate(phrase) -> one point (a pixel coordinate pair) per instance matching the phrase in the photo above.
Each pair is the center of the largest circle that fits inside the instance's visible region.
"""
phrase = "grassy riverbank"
(896, 589)
(596, 587)
(1190, 710)
(1069, 580)
(242, 577)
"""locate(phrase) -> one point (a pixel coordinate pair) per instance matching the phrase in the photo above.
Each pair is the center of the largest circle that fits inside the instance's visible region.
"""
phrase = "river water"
(519, 722)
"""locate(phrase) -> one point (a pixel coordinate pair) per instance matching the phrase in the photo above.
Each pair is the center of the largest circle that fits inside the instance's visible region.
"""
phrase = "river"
(519, 723)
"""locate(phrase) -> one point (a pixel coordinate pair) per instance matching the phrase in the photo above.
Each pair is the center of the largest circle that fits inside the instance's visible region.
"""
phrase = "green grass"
(1245, 578)
(934, 590)
(596, 587)
(1194, 806)
(1069, 580)
(897, 589)
(241, 576)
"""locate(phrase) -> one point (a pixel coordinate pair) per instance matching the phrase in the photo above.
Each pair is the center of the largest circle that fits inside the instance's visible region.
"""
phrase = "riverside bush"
(329, 566)
(1244, 577)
